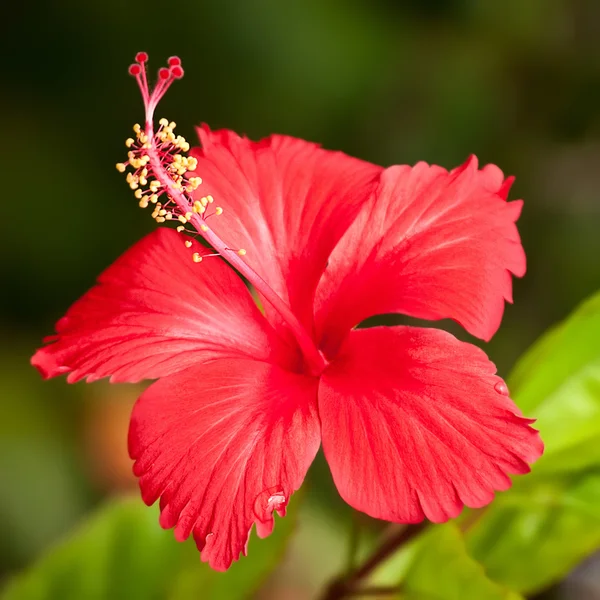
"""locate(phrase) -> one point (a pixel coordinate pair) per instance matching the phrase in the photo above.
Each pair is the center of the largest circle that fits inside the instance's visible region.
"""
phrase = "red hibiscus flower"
(414, 423)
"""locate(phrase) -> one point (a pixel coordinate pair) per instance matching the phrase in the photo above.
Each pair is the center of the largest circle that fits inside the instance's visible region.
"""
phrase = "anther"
(218, 211)
(121, 167)
(188, 243)
(196, 257)
(241, 252)
(180, 228)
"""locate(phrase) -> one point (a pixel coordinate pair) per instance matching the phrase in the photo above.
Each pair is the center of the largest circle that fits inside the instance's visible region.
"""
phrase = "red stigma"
(166, 76)
(177, 72)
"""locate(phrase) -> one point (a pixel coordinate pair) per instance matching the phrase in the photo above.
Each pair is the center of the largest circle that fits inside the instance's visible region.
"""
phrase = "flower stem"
(348, 585)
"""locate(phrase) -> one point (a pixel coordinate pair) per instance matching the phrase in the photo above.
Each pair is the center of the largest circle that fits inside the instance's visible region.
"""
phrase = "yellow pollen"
(142, 178)
(196, 257)
(218, 211)
(210, 199)
(241, 252)
(188, 243)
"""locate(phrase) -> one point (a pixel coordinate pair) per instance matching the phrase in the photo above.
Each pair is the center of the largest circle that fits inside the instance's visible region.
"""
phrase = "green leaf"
(558, 382)
(536, 533)
(549, 521)
(121, 553)
(439, 568)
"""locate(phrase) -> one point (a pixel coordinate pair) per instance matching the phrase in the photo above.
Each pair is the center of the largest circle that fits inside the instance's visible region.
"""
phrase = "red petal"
(415, 424)
(287, 202)
(429, 244)
(224, 445)
(156, 312)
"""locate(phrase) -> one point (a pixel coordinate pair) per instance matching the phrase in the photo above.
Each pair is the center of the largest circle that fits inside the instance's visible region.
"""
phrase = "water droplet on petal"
(269, 500)
(501, 388)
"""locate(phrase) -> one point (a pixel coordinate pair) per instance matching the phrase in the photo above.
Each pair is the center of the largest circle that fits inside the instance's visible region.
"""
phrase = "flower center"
(162, 176)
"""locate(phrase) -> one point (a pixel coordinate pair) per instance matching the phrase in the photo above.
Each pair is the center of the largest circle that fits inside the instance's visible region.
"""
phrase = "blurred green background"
(516, 82)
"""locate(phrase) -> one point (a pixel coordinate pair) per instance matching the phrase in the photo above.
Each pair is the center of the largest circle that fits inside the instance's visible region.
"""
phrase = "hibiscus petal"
(224, 445)
(416, 424)
(429, 244)
(155, 312)
(287, 202)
